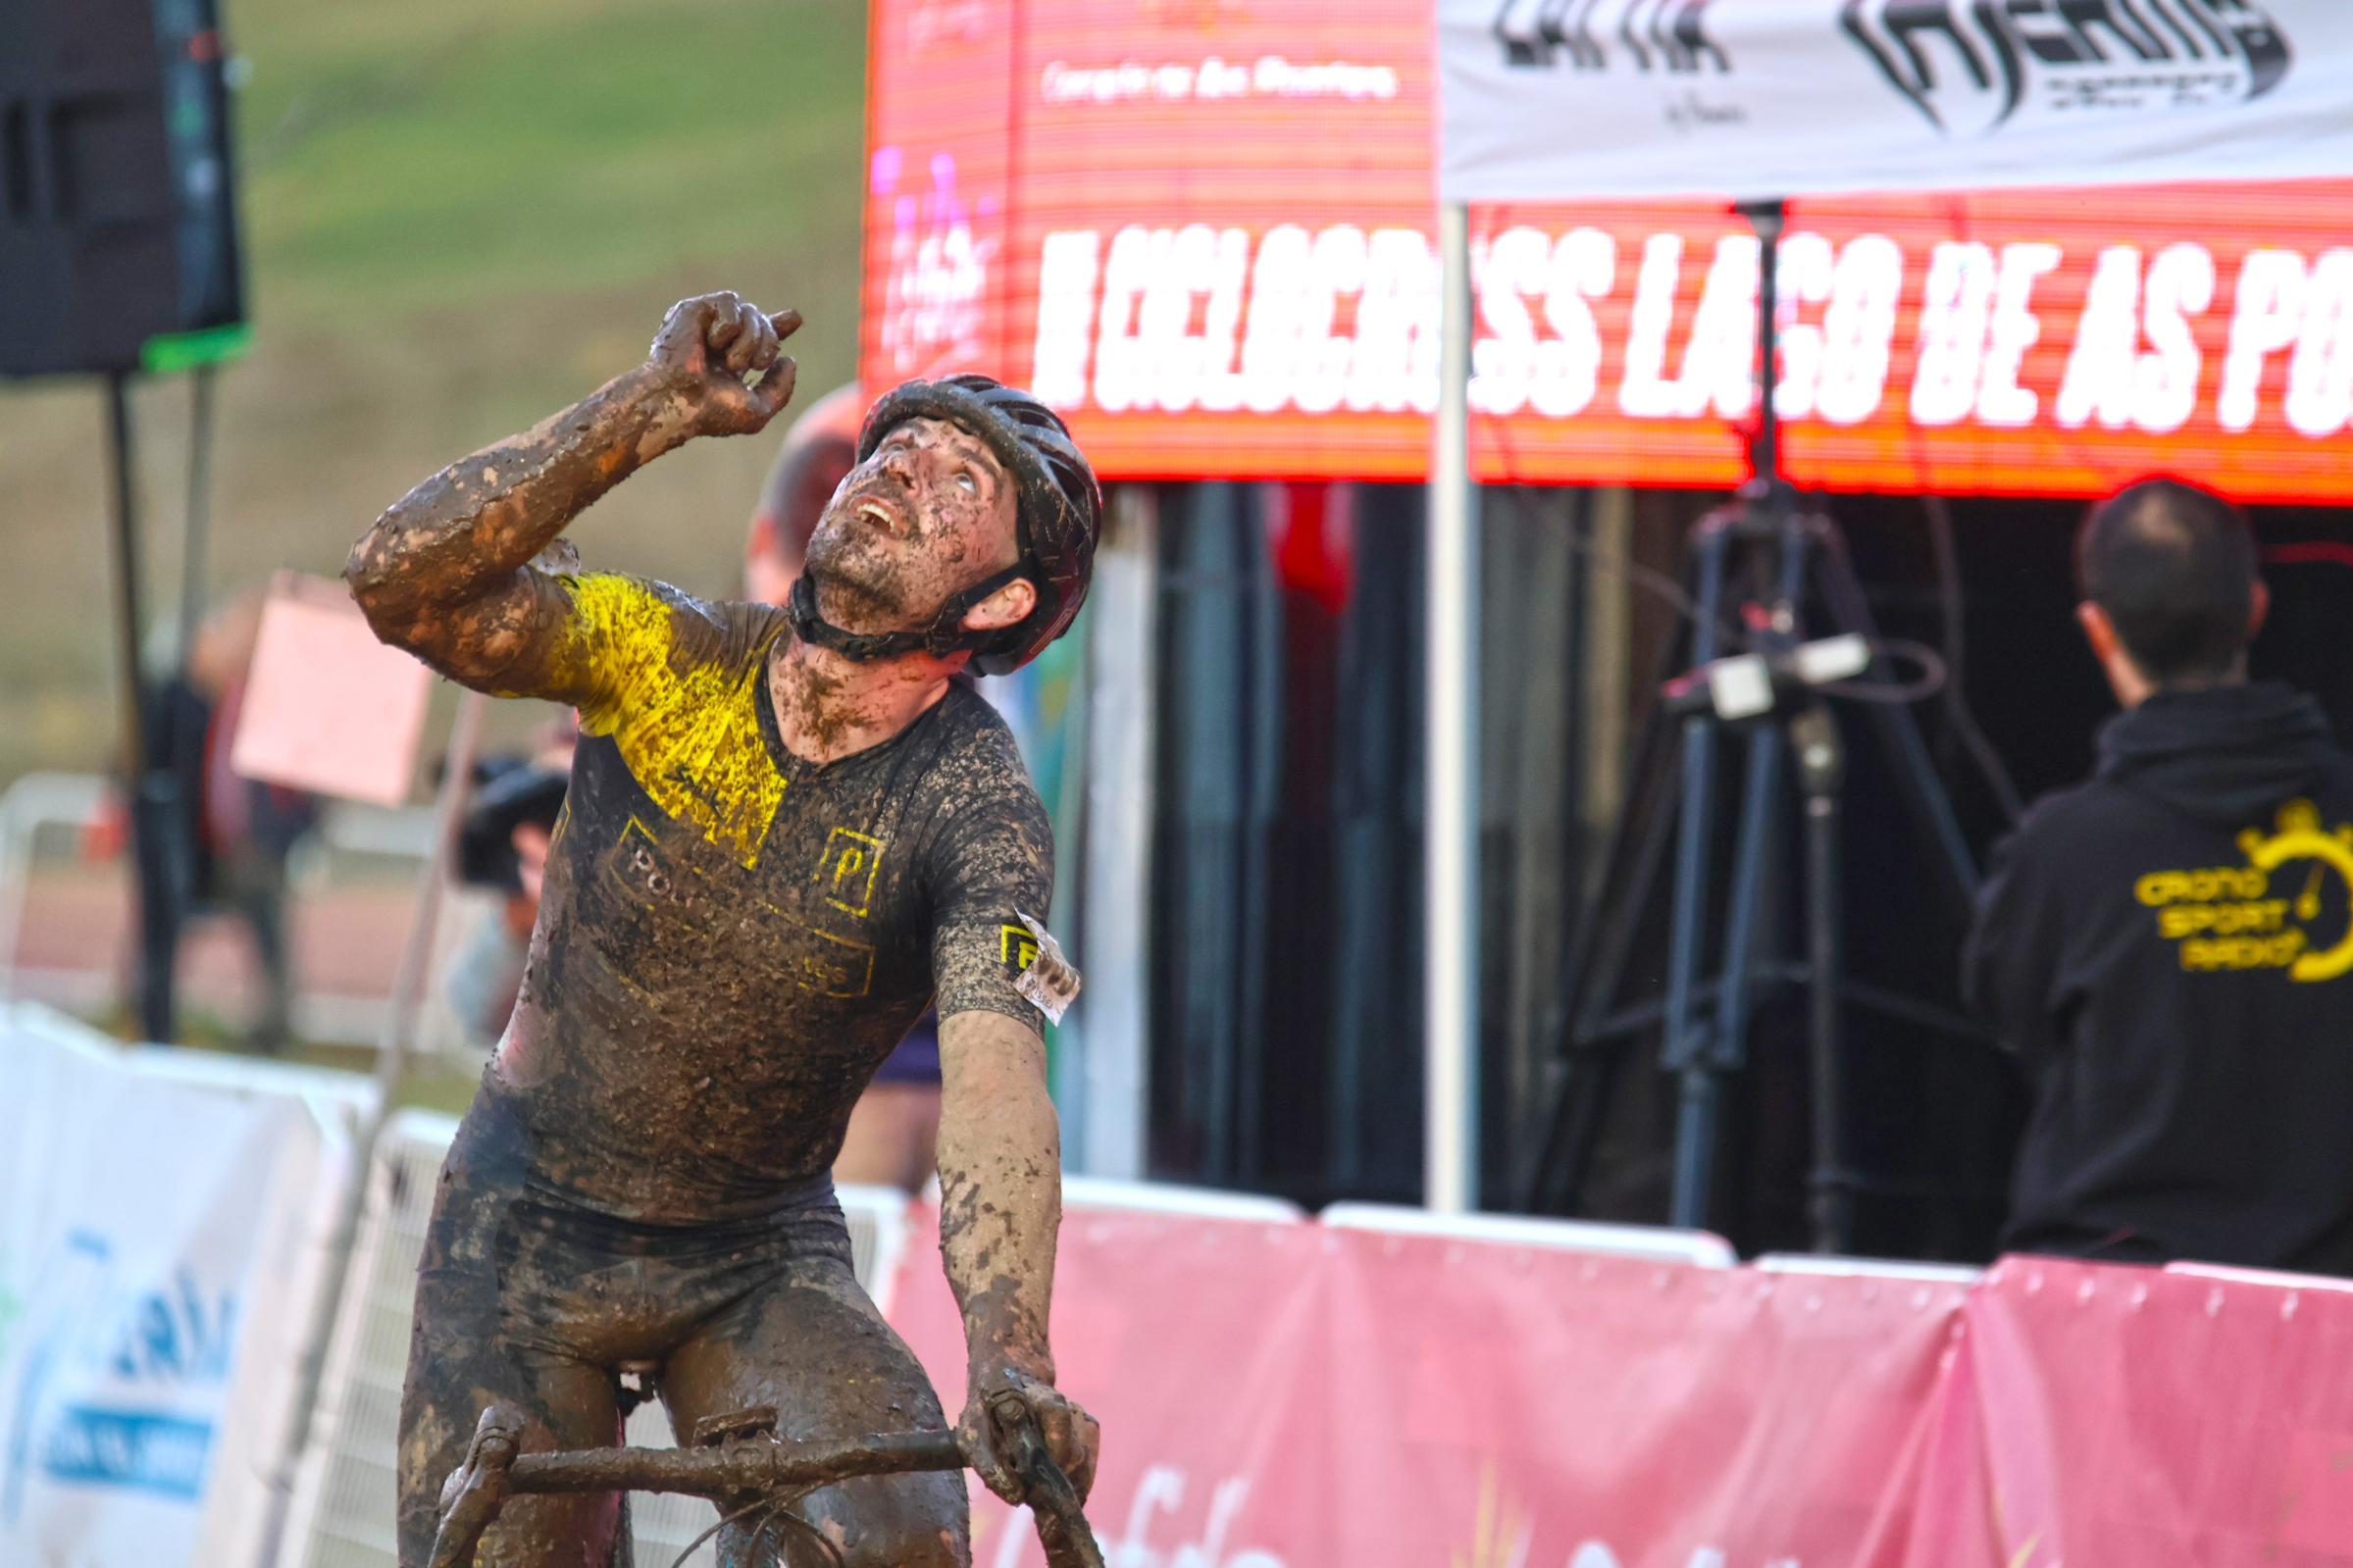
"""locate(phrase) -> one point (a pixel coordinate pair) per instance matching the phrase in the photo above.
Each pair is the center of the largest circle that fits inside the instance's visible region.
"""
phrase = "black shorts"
(548, 1277)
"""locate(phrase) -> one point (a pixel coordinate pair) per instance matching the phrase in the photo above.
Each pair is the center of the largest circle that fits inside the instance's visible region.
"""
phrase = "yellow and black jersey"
(731, 939)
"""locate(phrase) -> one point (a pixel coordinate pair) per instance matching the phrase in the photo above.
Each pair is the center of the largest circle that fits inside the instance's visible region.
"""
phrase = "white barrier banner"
(1559, 99)
(158, 1257)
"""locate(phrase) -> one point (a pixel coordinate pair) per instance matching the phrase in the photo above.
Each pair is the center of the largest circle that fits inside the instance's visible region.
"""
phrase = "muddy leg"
(489, 1308)
(456, 1367)
(813, 1346)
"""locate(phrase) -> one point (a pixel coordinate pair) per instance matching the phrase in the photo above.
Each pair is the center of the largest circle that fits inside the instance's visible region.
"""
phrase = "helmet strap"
(944, 636)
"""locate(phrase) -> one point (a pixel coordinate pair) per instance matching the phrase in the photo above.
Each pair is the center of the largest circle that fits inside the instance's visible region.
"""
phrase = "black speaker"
(117, 196)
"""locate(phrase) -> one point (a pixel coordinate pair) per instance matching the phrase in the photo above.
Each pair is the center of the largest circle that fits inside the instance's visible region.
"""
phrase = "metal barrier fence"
(43, 817)
(342, 1514)
(35, 802)
(1699, 1248)
(1845, 1268)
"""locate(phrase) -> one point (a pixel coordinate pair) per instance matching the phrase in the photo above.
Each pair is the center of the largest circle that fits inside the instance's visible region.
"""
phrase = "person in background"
(894, 1129)
(502, 850)
(2169, 944)
(230, 836)
(818, 452)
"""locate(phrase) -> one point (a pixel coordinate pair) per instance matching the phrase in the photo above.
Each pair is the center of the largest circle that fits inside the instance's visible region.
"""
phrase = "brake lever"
(1062, 1528)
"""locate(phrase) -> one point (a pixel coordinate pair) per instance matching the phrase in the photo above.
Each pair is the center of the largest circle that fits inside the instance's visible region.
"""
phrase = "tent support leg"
(1449, 1001)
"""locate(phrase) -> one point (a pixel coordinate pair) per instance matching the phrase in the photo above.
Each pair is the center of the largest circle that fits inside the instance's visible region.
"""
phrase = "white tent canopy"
(1555, 100)
(1550, 99)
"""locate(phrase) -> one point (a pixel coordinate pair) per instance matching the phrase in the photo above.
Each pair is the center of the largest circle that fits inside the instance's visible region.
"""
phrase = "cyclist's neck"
(829, 706)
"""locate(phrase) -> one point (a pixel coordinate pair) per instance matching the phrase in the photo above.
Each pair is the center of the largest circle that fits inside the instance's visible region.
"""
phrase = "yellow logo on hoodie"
(2226, 917)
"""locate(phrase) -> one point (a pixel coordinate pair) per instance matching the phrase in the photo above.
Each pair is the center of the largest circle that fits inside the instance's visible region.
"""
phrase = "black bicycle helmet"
(1056, 525)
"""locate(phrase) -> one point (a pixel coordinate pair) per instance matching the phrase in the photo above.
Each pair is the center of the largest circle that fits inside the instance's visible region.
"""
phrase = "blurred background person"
(2168, 944)
(894, 1129)
(502, 850)
(227, 838)
(247, 831)
(819, 449)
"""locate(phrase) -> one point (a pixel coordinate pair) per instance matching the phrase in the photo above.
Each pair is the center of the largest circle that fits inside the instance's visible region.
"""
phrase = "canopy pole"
(1450, 884)
(157, 858)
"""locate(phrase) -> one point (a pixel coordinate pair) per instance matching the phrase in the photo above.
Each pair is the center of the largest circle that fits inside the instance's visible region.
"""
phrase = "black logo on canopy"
(1669, 36)
(1970, 65)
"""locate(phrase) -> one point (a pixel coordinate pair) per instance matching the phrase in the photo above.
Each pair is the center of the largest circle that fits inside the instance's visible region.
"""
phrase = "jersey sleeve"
(991, 863)
(614, 642)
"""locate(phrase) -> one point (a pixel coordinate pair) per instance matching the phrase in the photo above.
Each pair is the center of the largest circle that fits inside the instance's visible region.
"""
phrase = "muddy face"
(931, 513)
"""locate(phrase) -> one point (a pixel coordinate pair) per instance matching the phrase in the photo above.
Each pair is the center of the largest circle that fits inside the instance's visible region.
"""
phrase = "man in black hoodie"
(2169, 945)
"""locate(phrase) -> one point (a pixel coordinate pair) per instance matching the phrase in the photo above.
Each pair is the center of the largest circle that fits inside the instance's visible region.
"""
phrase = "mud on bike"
(735, 1457)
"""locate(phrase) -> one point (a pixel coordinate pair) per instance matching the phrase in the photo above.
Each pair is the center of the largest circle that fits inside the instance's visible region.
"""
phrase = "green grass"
(432, 1082)
(459, 215)
(491, 150)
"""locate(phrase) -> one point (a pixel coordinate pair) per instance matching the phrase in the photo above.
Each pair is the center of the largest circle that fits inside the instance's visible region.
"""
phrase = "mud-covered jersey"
(731, 939)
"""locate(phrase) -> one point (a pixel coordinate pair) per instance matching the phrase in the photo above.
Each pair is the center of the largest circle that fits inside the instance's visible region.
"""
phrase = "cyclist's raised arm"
(449, 571)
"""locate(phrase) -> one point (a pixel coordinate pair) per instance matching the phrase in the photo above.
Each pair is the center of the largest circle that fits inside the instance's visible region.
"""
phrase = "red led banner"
(1205, 235)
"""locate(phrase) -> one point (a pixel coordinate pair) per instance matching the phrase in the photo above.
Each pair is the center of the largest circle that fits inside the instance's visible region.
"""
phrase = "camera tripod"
(1772, 559)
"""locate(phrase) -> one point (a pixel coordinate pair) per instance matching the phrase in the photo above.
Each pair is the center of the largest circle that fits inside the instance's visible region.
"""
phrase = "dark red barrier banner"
(1203, 232)
(1288, 1396)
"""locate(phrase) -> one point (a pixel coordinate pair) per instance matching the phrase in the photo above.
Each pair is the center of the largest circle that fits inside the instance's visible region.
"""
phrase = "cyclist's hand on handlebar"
(1071, 1435)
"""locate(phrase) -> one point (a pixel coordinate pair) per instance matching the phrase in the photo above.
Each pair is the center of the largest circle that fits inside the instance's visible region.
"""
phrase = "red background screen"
(1204, 232)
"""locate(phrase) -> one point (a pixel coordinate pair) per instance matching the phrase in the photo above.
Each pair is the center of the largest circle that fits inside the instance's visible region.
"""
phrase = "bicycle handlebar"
(739, 1467)
(494, 1470)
